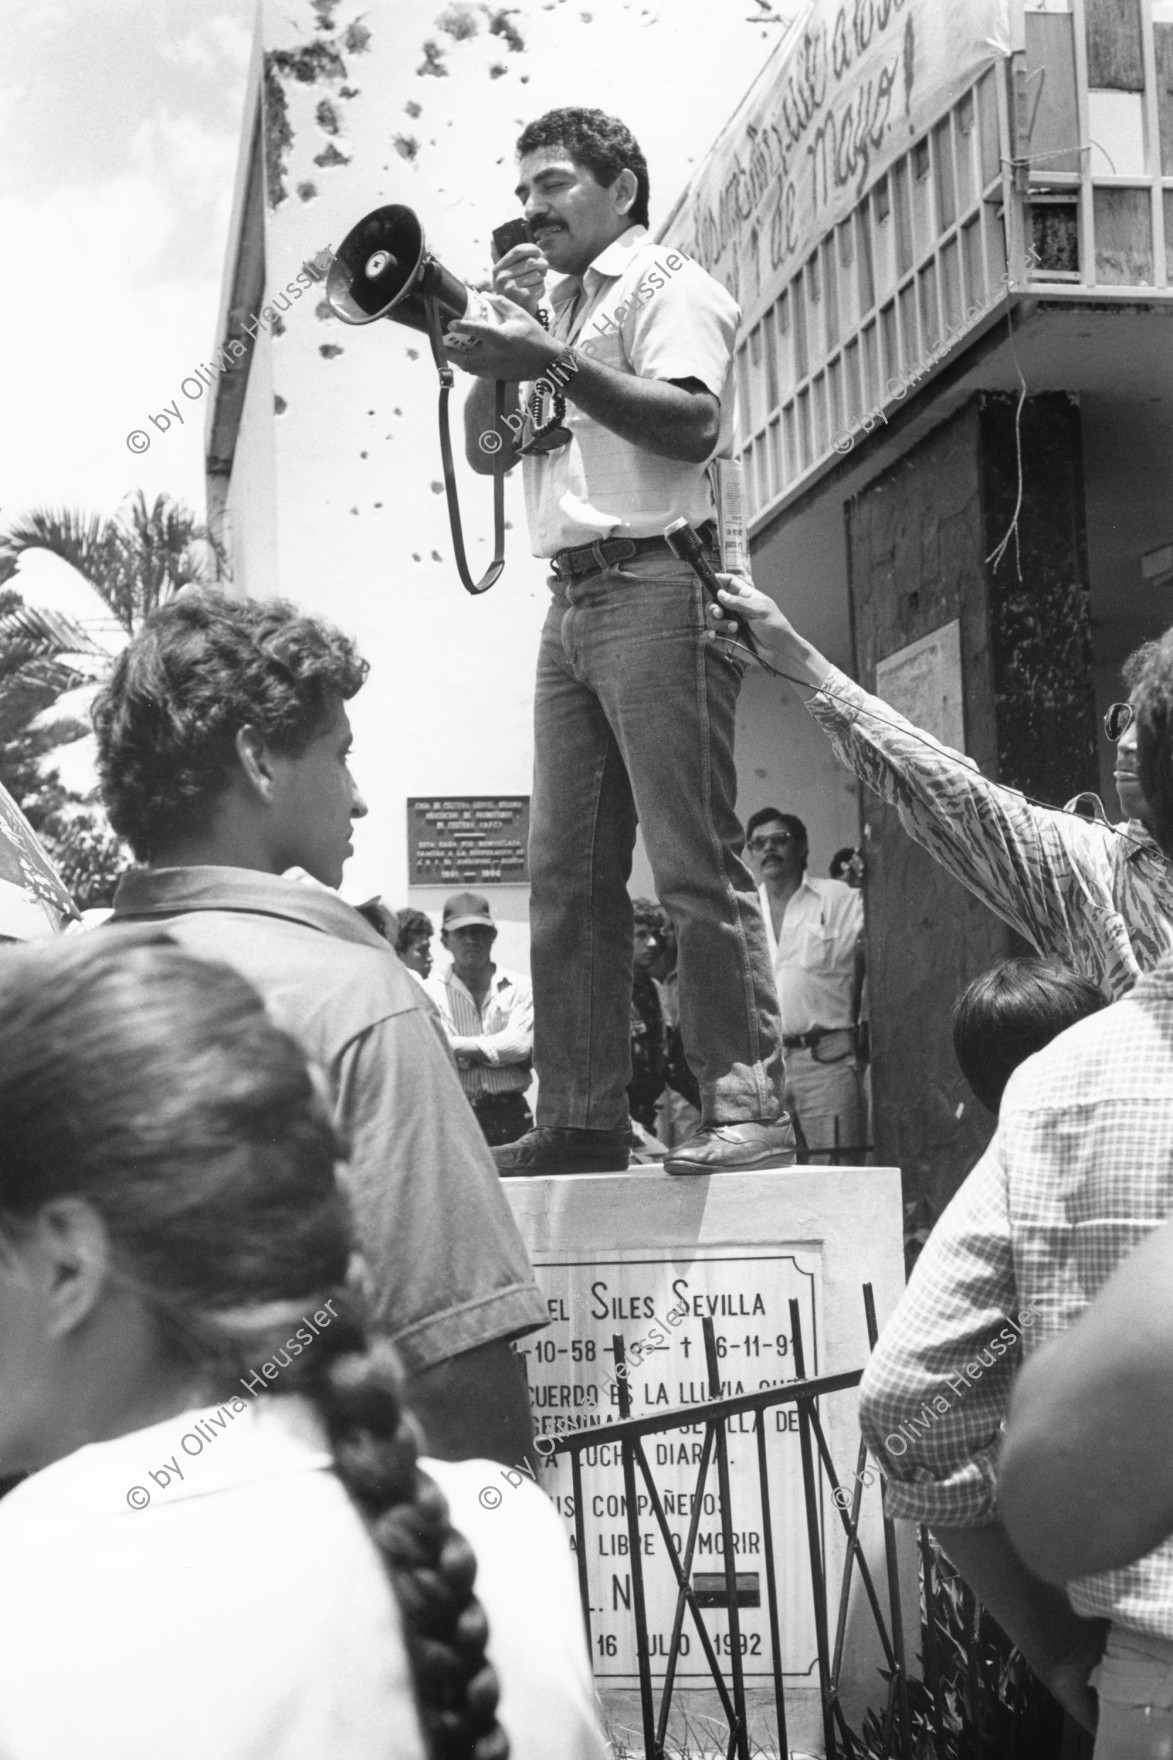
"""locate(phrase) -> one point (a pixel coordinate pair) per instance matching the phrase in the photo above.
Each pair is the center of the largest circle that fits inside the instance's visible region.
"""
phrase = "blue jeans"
(634, 720)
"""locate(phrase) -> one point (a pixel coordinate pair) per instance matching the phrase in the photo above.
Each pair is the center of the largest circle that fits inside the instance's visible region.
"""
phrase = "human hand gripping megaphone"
(383, 269)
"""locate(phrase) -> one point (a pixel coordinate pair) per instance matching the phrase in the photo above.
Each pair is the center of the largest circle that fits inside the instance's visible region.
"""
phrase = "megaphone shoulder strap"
(492, 573)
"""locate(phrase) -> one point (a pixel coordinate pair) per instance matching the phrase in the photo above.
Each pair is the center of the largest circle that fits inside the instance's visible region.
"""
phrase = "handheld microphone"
(513, 232)
(684, 544)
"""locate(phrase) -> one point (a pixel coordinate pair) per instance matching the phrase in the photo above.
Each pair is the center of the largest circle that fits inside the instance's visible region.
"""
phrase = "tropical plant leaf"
(134, 562)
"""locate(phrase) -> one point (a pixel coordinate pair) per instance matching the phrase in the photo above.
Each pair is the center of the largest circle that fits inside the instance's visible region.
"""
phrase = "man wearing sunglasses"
(634, 711)
(1097, 897)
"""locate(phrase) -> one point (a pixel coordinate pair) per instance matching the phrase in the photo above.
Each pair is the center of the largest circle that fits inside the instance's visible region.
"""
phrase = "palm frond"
(134, 562)
(46, 632)
(85, 541)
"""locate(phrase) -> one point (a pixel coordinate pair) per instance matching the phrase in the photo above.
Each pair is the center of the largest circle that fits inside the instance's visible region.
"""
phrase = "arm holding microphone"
(1047, 873)
(519, 275)
(774, 634)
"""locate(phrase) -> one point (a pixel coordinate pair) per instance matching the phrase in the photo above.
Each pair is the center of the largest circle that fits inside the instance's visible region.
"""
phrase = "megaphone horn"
(382, 269)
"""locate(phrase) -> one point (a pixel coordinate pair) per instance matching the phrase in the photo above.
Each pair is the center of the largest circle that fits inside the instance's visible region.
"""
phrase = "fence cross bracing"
(628, 1434)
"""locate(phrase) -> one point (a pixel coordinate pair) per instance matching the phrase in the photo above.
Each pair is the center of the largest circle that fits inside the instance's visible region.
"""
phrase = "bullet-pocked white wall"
(334, 498)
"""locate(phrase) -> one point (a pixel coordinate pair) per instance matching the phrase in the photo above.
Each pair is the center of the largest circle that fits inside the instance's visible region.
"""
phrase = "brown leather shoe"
(736, 1148)
(558, 1149)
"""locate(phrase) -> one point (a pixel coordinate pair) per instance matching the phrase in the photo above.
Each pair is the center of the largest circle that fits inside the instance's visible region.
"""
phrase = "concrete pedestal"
(646, 1256)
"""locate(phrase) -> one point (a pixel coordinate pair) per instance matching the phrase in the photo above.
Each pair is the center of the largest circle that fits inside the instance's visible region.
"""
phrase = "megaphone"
(383, 269)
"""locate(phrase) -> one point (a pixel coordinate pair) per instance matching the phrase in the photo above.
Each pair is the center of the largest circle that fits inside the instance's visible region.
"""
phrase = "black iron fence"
(830, 1610)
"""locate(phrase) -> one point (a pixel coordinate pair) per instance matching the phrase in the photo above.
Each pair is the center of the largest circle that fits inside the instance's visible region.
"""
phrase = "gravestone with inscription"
(649, 1257)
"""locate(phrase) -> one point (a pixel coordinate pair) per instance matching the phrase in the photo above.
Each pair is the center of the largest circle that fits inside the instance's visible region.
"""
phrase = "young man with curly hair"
(634, 712)
(223, 744)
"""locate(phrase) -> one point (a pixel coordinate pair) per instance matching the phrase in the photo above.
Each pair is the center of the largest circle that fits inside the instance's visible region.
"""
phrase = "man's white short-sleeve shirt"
(648, 311)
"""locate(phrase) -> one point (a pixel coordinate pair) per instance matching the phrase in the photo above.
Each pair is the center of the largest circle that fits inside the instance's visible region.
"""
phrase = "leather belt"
(605, 552)
(807, 1041)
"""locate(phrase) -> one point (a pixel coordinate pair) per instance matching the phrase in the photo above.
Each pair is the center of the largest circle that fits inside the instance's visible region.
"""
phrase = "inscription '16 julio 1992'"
(657, 1302)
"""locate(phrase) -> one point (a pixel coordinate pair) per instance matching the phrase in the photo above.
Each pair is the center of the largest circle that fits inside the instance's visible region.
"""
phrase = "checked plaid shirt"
(1079, 1171)
(1097, 897)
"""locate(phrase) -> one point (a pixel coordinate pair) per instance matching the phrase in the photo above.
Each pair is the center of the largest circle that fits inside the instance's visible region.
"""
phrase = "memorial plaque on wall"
(656, 1299)
(923, 681)
(468, 840)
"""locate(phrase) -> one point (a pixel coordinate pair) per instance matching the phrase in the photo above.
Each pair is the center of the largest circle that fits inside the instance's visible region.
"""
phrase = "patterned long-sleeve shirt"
(1079, 1171)
(502, 1027)
(1099, 898)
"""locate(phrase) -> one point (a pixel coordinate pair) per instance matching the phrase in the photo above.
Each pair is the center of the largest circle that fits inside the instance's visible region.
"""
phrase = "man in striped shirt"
(488, 1015)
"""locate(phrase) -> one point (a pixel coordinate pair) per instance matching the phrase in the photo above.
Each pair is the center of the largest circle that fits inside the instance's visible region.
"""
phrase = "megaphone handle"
(492, 573)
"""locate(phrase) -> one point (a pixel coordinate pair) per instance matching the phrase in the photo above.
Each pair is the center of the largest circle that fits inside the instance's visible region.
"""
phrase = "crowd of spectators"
(1050, 1489)
(249, 1143)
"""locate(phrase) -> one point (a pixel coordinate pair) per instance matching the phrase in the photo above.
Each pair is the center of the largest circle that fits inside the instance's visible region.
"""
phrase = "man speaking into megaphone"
(615, 410)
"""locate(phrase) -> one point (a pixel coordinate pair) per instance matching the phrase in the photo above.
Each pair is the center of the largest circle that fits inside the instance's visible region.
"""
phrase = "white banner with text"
(849, 87)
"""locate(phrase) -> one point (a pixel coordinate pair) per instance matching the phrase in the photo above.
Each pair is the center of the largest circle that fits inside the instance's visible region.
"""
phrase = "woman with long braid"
(227, 1547)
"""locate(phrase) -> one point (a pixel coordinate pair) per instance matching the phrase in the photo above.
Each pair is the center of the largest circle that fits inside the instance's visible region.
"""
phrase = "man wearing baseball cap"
(488, 1015)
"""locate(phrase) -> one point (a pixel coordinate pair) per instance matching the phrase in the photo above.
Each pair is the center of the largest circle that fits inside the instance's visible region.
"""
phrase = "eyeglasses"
(1118, 720)
(776, 840)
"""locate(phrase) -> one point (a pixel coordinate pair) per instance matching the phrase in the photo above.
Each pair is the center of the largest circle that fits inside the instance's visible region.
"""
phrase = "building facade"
(950, 226)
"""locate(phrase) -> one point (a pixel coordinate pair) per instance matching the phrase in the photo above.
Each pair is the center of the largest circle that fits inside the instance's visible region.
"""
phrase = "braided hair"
(154, 1086)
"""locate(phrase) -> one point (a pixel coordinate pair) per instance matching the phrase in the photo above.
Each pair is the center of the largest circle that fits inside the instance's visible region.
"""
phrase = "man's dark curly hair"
(602, 143)
(202, 667)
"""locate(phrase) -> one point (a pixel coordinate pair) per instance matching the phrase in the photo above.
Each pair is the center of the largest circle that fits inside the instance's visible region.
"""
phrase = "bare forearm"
(1060, 1646)
(798, 658)
(680, 420)
(475, 1407)
(1084, 1477)
(653, 414)
(480, 419)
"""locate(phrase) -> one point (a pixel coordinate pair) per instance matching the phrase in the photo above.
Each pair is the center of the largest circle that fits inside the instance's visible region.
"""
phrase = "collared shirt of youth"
(415, 1151)
(643, 318)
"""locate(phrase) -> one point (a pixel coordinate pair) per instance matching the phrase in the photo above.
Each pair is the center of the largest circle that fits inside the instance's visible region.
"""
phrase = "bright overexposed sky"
(120, 125)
